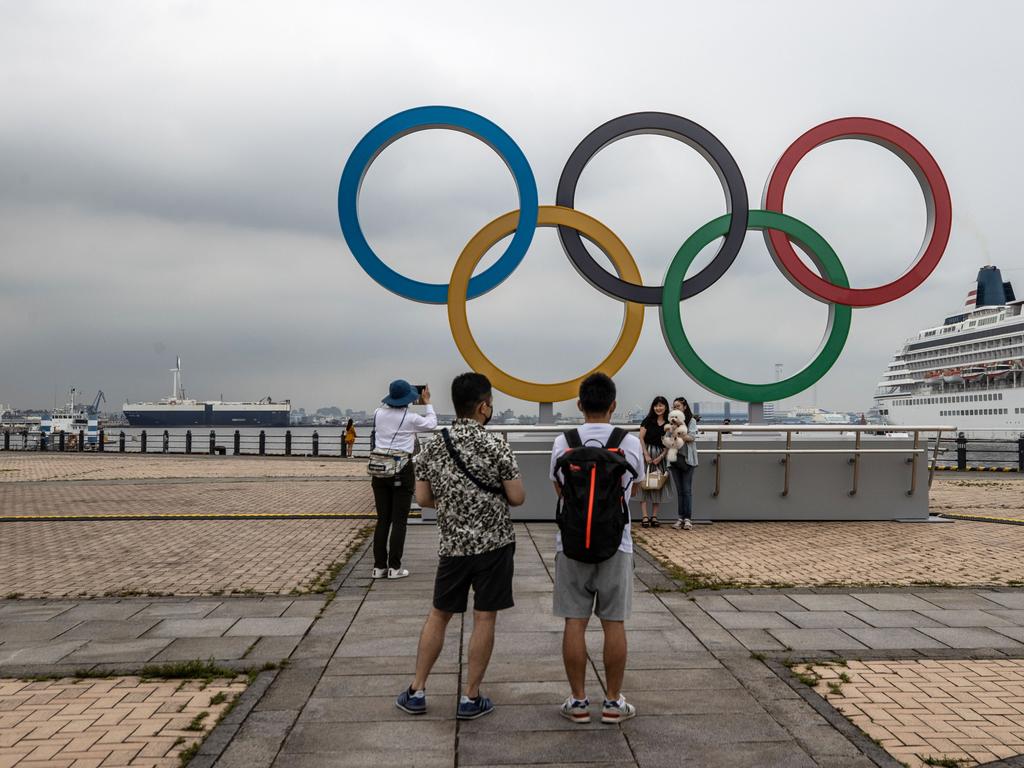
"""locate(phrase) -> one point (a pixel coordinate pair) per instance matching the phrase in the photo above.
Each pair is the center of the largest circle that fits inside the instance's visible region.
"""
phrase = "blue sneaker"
(408, 702)
(471, 709)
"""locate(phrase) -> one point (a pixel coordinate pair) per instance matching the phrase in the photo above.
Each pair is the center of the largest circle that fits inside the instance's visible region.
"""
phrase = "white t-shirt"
(396, 428)
(595, 434)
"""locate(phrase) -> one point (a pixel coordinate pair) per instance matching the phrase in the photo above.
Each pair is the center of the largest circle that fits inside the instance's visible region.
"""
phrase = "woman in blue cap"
(395, 428)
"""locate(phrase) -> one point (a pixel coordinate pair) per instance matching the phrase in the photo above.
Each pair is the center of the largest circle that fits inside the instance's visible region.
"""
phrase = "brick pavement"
(195, 557)
(16, 466)
(817, 554)
(989, 495)
(193, 496)
(71, 723)
(958, 710)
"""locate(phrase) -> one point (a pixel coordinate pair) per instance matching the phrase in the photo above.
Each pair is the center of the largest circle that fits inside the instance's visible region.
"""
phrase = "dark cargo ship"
(179, 411)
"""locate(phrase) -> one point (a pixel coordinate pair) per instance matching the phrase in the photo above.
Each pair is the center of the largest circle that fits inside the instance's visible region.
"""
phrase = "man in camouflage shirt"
(472, 478)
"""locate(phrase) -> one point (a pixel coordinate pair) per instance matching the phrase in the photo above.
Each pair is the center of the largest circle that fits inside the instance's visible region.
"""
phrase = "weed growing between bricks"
(322, 584)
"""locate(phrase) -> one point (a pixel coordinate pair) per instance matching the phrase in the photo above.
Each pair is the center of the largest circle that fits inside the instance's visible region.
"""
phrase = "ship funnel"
(992, 291)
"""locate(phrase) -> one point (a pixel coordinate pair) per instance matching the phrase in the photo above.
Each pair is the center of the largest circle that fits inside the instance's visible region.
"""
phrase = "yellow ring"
(482, 241)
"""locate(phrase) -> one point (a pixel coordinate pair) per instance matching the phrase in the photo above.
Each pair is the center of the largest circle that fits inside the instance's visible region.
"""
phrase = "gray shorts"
(609, 583)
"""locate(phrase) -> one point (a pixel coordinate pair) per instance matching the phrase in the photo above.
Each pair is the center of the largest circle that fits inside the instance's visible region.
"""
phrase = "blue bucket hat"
(401, 393)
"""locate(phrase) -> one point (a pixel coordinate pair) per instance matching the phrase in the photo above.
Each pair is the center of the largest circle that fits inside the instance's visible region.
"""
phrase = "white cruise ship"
(968, 371)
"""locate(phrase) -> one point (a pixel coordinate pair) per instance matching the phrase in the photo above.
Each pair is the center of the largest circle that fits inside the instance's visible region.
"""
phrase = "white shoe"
(678, 525)
(378, 573)
(687, 525)
(397, 573)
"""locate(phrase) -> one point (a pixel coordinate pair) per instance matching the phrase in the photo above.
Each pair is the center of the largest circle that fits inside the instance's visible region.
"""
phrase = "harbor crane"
(94, 409)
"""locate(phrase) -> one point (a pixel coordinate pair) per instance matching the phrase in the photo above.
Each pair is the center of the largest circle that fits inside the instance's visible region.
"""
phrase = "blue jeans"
(682, 473)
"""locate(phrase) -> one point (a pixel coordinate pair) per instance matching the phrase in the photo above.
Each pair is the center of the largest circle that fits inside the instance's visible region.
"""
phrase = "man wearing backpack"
(471, 476)
(593, 468)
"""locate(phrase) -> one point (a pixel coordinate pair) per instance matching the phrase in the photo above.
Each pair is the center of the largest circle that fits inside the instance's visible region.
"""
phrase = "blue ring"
(419, 119)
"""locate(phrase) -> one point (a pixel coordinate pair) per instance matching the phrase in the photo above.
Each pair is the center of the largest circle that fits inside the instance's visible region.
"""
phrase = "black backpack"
(593, 509)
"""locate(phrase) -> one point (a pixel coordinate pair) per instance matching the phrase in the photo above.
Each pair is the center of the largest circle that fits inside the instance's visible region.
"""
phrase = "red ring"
(933, 184)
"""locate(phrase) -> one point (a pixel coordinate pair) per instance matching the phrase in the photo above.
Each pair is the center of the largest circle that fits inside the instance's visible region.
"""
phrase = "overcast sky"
(170, 171)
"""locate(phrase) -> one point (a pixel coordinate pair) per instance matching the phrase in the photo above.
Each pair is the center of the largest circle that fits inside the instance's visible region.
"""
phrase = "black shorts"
(490, 575)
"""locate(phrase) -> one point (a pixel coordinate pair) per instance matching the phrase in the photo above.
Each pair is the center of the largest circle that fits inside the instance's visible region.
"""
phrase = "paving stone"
(252, 627)
(352, 686)
(893, 638)
(894, 601)
(195, 609)
(957, 599)
(824, 743)
(191, 627)
(380, 709)
(37, 653)
(273, 648)
(815, 639)
(360, 739)
(714, 603)
(304, 608)
(813, 619)
(104, 611)
(813, 602)
(98, 651)
(1005, 599)
(203, 648)
(757, 640)
(975, 637)
(290, 689)
(1014, 633)
(1014, 616)
(742, 755)
(243, 607)
(763, 603)
(19, 631)
(681, 679)
(383, 665)
(100, 629)
(895, 619)
(750, 620)
(730, 700)
(479, 747)
(966, 618)
(709, 729)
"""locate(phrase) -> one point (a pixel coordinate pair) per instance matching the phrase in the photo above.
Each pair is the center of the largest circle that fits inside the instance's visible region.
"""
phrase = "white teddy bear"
(675, 430)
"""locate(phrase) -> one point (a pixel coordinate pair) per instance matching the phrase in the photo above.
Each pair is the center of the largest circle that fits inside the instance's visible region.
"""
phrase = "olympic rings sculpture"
(780, 232)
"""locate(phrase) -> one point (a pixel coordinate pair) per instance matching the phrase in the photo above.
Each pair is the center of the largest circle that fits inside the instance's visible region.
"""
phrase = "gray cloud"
(170, 179)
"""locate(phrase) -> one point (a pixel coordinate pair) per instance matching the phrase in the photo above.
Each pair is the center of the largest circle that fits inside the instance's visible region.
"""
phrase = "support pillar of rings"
(755, 413)
(545, 413)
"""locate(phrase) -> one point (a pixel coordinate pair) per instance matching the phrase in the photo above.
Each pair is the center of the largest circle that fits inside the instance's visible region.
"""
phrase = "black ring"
(691, 134)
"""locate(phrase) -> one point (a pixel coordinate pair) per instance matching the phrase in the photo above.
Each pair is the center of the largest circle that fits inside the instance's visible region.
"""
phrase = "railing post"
(263, 443)
(99, 445)
(142, 439)
(288, 443)
(213, 442)
(7, 439)
(316, 443)
(60, 441)
(167, 441)
(1020, 453)
(81, 440)
(120, 442)
(961, 452)
(42, 441)
(238, 442)
(188, 441)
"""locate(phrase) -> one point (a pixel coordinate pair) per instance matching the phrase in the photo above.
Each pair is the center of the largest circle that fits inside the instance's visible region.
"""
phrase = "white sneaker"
(397, 573)
(678, 525)
(378, 573)
(687, 525)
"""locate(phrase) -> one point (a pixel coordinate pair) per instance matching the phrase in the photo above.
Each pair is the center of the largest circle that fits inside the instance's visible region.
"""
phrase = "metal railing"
(198, 441)
(233, 442)
(854, 451)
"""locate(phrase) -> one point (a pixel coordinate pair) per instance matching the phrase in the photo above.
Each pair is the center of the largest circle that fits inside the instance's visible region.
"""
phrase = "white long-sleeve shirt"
(389, 424)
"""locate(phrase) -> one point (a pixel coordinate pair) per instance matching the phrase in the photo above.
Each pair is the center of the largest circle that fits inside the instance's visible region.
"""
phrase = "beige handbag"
(654, 480)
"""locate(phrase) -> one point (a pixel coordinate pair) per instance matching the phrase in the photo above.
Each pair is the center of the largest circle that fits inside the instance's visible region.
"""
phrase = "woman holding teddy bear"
(684, 463)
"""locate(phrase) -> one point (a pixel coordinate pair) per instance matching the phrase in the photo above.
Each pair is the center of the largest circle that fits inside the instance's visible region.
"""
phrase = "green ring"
(839, 316)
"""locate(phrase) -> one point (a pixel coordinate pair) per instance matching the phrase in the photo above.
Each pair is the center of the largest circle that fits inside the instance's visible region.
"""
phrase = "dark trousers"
(682, 474)
(392, 497)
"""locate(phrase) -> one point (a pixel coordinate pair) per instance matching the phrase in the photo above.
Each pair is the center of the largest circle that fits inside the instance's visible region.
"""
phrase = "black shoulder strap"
(465, 470)
(615, 439)
(572, 438)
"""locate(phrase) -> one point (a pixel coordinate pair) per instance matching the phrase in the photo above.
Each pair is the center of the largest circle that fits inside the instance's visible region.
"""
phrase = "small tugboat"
(74, 420)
